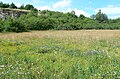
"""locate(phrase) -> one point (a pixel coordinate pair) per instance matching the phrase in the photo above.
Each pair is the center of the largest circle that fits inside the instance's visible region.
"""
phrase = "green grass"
(59, 58)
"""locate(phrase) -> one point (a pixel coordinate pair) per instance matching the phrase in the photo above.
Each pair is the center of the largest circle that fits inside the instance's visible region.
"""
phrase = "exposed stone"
(15, 13)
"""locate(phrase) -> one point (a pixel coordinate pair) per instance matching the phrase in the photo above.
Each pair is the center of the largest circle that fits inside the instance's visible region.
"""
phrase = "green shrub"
(14, 25)
(1, 27)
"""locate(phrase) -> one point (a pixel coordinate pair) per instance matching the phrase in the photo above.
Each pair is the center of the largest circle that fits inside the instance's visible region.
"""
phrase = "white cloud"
(62, 4)
(111, 10)
(78, 12)
(44, 8)
(58, 6)
(18, 4)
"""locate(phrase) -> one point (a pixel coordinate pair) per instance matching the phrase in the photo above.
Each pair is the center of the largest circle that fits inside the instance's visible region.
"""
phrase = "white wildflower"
(2, 66)
(38, 72)
(19, 73)
(28, 72)
(118, 77)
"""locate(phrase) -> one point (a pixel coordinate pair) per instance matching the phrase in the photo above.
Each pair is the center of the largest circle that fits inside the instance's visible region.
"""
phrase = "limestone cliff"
(6, 12)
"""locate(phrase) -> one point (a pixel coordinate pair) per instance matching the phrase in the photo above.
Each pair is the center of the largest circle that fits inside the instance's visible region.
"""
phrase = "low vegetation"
(51, 54)
(85, 54)
(51, 20)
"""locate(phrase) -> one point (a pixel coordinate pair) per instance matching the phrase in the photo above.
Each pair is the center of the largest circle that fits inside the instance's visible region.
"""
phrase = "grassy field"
(84, 54)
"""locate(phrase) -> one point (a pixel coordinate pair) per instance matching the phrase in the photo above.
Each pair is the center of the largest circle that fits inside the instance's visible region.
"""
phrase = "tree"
(12, 5)
(15, 25)
(100, 17)
(82, 16)
(1, 25)
(2, 5)
(105, 17)
(73, 12)
(6, 5)
(22, 6)
(93, 17)
(34, 10)
(29, 7)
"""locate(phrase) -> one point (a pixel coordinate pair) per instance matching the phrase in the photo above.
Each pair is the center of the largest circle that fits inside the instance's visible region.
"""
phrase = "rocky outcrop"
(15, 13)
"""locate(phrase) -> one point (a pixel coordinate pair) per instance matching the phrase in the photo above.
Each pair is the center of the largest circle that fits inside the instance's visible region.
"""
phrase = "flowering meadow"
(83, 54)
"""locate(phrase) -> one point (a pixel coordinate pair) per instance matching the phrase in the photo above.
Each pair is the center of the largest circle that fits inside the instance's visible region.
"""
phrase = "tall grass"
(60, 55)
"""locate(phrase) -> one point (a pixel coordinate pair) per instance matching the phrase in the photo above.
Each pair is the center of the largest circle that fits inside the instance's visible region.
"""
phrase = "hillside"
(35, 19)
(7, 12)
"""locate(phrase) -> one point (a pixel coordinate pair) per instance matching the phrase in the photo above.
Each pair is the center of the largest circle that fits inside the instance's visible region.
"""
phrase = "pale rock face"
(4, 13)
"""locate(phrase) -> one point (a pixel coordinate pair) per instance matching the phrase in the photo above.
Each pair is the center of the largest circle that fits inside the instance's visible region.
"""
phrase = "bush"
(1, 26)
(14, 25)
(49, 20)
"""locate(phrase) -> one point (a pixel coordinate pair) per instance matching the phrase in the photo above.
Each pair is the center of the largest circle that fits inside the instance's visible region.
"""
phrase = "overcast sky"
(86, 7)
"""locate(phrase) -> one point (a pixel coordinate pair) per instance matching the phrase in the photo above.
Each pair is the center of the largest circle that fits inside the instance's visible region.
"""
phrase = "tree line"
(52, 20)
(13, 6)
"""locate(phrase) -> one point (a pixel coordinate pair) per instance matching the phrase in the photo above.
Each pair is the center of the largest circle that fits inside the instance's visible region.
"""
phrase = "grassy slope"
(85, 54)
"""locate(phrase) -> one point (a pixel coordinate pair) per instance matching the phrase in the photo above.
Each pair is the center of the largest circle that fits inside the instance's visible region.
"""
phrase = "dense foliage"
(50, 20)
(12, 5)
